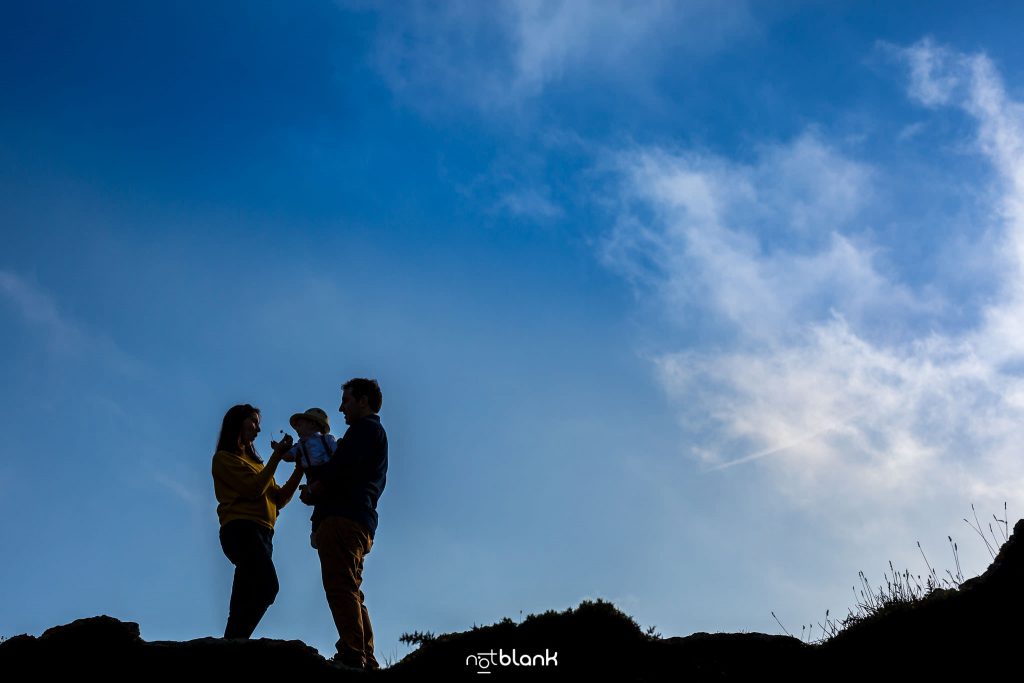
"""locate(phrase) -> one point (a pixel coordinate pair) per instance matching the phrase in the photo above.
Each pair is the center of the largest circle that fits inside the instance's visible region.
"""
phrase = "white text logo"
(485, 661)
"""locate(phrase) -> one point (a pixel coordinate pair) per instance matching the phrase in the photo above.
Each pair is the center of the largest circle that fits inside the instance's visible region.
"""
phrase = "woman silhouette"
(249, 501)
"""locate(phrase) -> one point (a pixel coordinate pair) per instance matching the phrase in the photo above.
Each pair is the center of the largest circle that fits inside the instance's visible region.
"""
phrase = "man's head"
(359, 398)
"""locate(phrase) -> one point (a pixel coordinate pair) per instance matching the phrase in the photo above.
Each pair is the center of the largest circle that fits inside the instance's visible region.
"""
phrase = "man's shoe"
(347, 664)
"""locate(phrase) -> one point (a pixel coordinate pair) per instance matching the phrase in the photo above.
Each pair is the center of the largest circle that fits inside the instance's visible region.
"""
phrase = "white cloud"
(803, 381)
(552, 38)
(498, 54)
(932, 72)
(761, 247)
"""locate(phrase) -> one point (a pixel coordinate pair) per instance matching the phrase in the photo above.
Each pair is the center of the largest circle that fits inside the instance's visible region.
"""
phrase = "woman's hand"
(282, 447)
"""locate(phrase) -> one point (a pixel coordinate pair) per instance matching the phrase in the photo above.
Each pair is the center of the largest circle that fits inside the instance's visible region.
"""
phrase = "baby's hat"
(315, 415)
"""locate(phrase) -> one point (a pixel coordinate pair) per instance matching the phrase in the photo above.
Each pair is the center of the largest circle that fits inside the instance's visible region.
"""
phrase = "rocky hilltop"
(950, 635)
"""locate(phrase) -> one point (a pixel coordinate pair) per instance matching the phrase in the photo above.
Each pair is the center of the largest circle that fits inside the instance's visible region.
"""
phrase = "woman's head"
(239, 429)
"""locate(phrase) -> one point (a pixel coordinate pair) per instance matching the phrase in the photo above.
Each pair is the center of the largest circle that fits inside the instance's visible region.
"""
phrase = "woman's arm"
(239, 477)
(285, 493)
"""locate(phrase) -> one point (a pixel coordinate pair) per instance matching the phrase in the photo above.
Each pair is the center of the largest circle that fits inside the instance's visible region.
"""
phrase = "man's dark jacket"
(354, 477)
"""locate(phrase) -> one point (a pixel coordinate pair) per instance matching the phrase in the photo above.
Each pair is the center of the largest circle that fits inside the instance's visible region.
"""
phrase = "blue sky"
(697, 307)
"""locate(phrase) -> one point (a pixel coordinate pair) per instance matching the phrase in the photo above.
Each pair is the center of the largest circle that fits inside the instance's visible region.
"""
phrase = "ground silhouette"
(951, 634)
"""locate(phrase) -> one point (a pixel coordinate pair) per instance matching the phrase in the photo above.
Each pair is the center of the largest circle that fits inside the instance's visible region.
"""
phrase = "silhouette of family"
(344, 480)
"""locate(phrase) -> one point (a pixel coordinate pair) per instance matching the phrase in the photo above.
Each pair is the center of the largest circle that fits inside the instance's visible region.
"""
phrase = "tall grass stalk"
(903, 588)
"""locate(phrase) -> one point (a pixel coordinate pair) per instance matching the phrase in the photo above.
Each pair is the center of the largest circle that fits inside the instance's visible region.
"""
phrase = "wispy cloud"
(496, 55)
(803, 377)
(39, 309)
(63, 335)
(196, 502)
(530, 203)
(911, 131)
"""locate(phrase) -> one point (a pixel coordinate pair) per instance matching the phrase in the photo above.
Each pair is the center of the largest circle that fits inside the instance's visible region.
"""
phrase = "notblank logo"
(485, 661)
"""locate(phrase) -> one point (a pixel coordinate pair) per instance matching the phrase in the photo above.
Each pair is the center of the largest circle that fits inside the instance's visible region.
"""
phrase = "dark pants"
(249, 546)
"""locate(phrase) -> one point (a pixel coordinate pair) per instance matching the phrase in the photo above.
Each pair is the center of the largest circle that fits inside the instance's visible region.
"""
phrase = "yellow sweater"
(246, 489)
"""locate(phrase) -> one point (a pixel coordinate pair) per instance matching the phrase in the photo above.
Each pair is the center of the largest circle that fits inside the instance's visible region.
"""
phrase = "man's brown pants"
(342, 544)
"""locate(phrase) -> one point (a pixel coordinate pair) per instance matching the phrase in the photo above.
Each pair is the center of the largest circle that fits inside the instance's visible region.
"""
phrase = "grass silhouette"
(904, 590)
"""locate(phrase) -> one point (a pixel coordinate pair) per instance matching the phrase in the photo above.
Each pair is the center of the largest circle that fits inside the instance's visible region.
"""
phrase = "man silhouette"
(345, 517)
